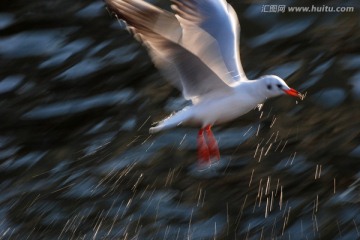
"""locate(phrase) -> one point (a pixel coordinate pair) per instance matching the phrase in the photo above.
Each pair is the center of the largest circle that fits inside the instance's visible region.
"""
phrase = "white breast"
(222, 109)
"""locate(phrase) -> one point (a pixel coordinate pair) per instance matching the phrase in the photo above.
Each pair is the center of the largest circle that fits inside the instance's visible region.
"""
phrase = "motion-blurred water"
(78, 95)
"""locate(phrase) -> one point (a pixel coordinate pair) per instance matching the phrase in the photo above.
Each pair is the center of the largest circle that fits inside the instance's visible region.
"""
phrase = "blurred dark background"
(78, 95)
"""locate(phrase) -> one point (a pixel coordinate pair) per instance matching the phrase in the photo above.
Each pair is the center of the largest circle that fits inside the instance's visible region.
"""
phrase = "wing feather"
(216, 19)
(162, 34)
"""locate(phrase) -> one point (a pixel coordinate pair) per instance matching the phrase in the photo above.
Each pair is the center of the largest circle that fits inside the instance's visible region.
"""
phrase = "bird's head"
(275, 86)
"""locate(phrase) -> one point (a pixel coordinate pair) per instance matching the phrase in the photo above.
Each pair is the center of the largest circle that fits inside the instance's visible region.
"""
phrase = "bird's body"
(211, 111)
(197, 50)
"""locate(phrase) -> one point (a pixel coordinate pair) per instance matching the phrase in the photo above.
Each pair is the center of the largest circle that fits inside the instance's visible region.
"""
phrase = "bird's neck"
(255, 88)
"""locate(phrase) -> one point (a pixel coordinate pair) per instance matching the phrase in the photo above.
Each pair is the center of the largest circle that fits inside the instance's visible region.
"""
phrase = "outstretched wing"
(218, 19)
(162, 34)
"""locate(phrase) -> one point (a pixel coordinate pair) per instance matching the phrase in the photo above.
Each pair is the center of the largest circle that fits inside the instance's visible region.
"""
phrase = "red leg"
(203, 150)
(212, 143)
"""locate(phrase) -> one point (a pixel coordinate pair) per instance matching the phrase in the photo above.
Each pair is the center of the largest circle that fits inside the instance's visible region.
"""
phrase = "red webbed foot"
(212, 144)
(203, 150)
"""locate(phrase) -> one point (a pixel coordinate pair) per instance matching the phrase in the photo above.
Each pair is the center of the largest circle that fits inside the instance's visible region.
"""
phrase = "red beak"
(293, 92)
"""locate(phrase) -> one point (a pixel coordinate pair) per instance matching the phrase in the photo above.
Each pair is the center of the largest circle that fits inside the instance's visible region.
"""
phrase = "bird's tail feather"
(155, 129)
(172, 121)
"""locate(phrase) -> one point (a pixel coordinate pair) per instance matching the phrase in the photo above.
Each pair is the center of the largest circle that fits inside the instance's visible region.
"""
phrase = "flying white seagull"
(197, 50)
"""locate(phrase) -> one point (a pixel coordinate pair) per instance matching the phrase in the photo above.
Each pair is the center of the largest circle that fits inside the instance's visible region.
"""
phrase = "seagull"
(196, 47)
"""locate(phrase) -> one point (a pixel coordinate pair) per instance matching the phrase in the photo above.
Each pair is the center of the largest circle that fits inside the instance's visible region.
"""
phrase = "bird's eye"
(279, 86)
(269, 87)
